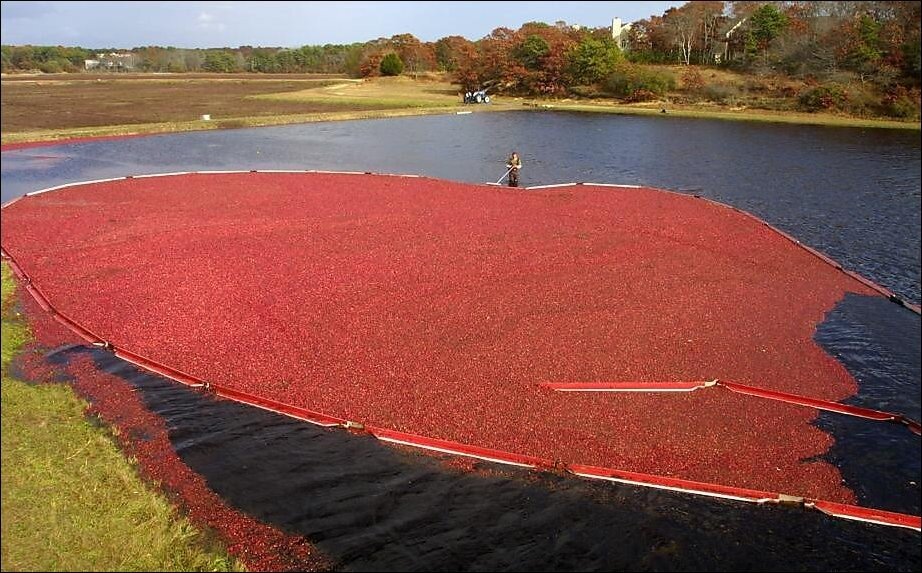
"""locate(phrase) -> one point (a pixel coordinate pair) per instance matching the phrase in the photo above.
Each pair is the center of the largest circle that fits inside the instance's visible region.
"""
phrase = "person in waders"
(514, 163)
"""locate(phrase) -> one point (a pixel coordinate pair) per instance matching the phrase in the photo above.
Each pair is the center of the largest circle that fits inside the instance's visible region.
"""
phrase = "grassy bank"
(393, 93)
(57, 109)
(70, 500)
(714, 112)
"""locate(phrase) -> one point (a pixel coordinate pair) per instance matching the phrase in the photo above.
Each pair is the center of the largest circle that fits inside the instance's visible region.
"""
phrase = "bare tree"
(709, 16)
(682, 26)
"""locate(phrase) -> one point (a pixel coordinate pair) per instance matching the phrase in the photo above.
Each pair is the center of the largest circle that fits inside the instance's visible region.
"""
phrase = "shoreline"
(20, 140)
(726, 114)
(59, 450)
(44, 138)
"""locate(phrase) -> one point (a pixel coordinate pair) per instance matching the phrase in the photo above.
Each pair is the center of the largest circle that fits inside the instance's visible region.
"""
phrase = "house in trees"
(113, 62)
(619, 33)
(732, 42)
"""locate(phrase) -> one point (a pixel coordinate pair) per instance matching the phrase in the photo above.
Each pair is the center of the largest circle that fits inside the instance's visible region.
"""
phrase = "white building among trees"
(619, 32)
(112, 61)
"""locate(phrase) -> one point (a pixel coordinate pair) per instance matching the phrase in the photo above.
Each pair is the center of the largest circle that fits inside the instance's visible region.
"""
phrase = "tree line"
(869, 38)
(793, 37)
(878, 42)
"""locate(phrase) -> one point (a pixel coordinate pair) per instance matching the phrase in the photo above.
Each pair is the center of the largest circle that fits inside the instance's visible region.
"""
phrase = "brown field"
(68, 102)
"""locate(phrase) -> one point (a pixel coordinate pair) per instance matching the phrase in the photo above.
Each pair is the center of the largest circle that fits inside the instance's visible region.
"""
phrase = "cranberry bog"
(447, 316)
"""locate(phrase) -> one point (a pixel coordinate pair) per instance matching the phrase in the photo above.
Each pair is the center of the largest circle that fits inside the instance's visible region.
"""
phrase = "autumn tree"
(556, 65)
(467, 71)
(649, 41)
(495, 62)
(546, 56)
(682, 25)
(370, 66)
(415, 55)
(801, 48)
(864, 50)
(451, 51)
(901, 35)
(153, 59)
(709, 16)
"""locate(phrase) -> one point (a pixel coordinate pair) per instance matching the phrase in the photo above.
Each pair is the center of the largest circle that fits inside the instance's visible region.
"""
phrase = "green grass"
(14, 331)
(71, 501)
(380, 93)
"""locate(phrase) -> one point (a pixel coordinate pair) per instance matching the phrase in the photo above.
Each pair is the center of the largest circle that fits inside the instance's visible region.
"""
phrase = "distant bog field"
(67, 101)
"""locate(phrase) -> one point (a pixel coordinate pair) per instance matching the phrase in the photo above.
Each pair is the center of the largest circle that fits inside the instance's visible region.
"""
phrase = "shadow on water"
(374, 507)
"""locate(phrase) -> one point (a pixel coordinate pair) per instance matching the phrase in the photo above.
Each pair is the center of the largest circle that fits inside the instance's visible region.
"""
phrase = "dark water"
(377, 508)
(879, 344)
(853, 194)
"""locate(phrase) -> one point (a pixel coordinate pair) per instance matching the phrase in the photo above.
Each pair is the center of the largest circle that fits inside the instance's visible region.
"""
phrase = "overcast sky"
(288, 24)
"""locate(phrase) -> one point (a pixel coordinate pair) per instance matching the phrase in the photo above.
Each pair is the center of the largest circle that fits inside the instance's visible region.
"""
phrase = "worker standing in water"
(514, 163)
